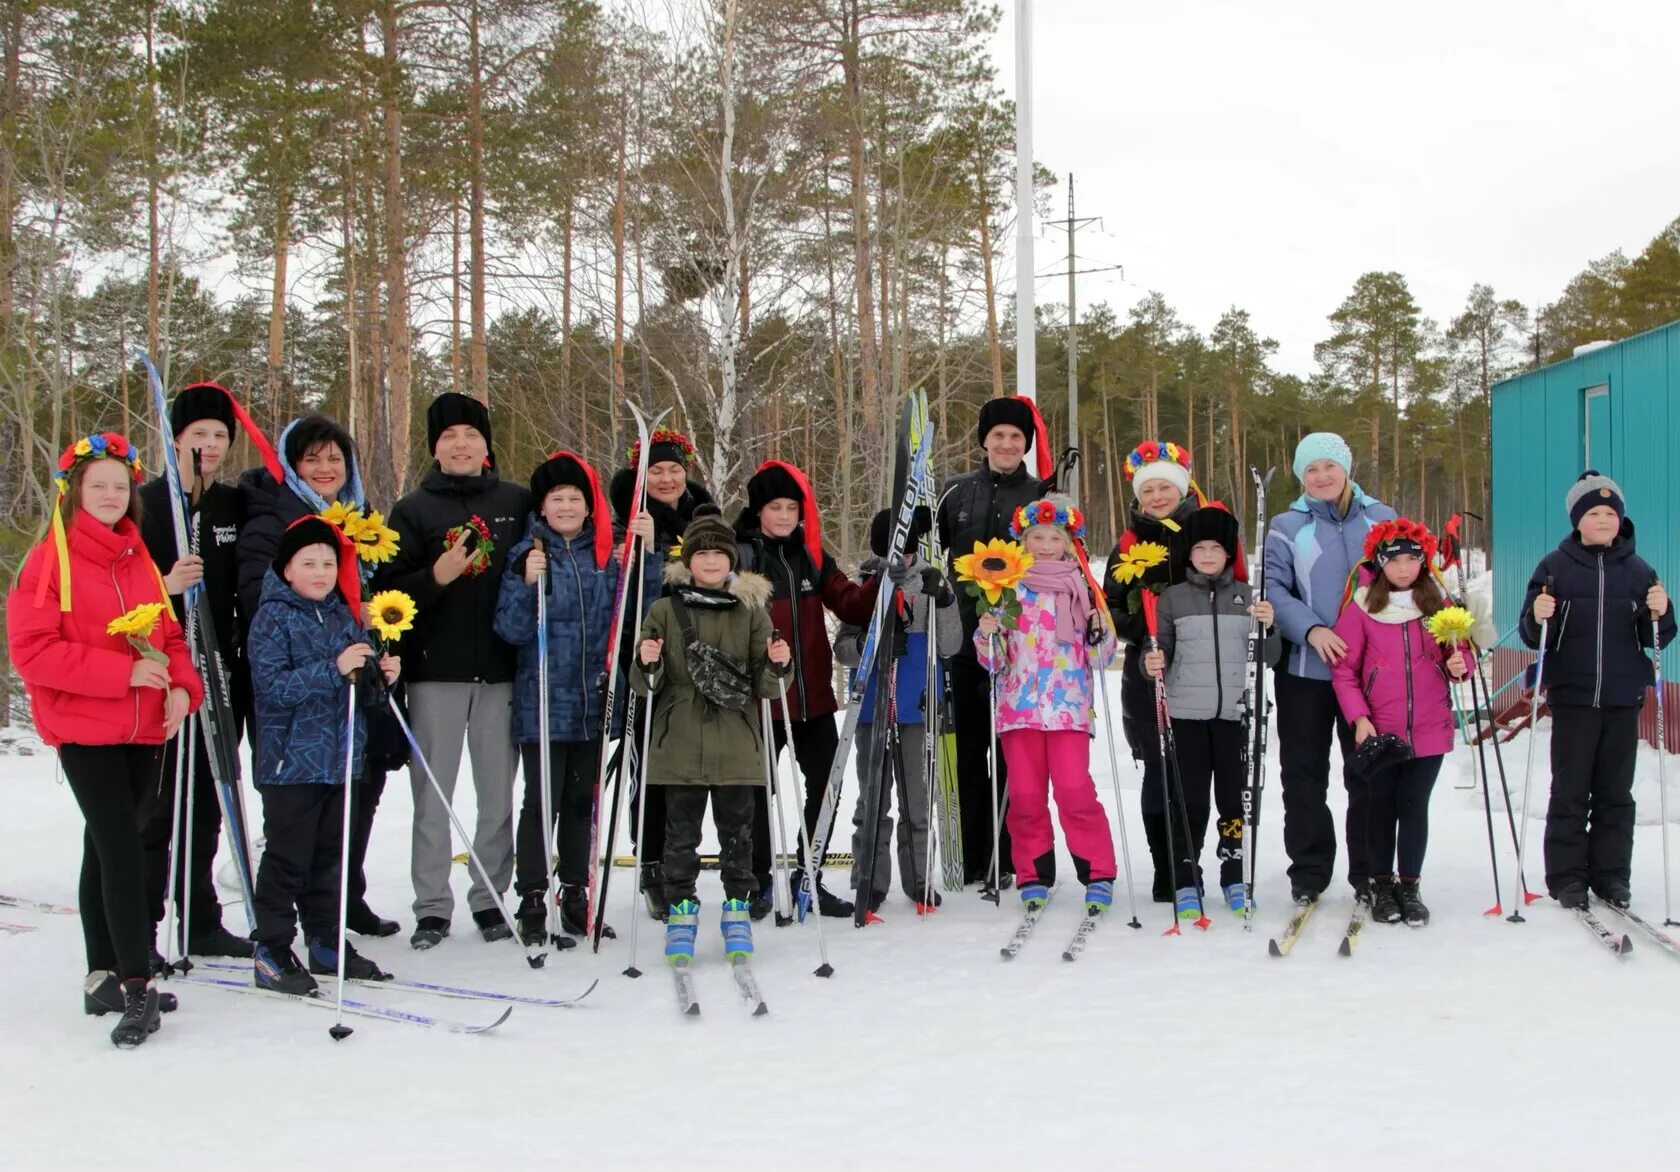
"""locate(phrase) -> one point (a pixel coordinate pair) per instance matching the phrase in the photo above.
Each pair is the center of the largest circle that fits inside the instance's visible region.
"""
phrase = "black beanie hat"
(1011, 411)
(305, 531)
(709, 531)
(558, 470)
(202, 401)
(880, 529)
(1214, 524)
(769, 483)
(451, 408)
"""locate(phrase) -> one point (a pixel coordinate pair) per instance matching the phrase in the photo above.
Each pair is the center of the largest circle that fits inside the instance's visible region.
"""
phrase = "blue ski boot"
(276, 967)
(1034, 896)
(681, 923)
(1099, 897)
(1189, 905)
(737, 930)
(1236, 898)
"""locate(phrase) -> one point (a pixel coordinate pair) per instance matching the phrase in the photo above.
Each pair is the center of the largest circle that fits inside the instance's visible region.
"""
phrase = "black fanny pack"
(718, 676)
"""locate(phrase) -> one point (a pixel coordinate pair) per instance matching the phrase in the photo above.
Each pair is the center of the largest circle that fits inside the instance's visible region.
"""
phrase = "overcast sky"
(1266, 154)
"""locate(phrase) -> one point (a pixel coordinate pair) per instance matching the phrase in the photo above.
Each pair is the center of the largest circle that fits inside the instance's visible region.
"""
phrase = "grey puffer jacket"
(1204, 625)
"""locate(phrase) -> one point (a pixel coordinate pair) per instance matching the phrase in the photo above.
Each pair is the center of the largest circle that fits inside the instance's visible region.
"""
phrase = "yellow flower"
(373, 539)
(994, 566)
(1451, 625)
(1142, 557)
(675, 552)
(139, 622)
(343, 515)
(392, 613)
(82, 449)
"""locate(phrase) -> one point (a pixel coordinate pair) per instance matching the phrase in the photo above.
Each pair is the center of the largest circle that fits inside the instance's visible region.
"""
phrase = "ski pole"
(997, 817)
(545, 768)
(535, 955)
(1528, 896)
(773, 814)
(172, 919)
(641, 783)
(930, 757)
(811, 861)
(1662, 764)
(339, 1030)
(1516, 916)
(189, 746)
(1487, 810)
(1119, 810)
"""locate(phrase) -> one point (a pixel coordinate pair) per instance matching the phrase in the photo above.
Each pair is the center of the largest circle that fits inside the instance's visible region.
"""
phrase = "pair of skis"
(1284, 942)
(1030, 917)
(1255, 706)
(688, 1000)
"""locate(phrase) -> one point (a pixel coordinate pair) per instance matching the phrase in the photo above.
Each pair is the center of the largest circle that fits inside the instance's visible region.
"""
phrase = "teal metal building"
(1617, 409)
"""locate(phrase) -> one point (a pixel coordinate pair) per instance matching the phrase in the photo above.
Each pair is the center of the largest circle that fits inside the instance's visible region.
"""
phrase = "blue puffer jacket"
(300, 696)
(580, 609)
(1310, 552)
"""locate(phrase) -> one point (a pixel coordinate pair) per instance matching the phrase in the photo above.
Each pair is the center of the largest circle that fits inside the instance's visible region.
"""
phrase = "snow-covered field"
(1472, 1043)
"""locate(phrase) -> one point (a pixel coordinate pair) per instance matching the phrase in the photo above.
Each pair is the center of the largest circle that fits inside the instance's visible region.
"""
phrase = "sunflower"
(343, 515)
(139, 622)
(1451, 625)
(374, 540)
(1141, 558)
(994, 567)
(392, 613)
(675, 552)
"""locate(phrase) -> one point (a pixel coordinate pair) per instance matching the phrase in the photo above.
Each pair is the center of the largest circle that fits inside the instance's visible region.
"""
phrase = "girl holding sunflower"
(1045, 705)
(108, 685)
(1152, 554)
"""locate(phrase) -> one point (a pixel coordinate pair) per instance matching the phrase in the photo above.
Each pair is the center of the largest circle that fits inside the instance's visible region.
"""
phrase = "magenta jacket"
(1396, 674)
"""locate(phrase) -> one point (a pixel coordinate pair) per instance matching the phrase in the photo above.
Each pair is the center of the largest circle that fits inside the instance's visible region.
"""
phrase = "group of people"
(730, 622)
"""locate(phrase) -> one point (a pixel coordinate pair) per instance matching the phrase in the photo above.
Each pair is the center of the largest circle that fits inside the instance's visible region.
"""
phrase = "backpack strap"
(685, 621)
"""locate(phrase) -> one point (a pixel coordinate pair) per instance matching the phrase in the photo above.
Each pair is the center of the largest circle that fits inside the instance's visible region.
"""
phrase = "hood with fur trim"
(752, 589)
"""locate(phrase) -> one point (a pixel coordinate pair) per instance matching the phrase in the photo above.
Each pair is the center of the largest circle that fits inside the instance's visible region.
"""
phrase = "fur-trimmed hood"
(752, 589)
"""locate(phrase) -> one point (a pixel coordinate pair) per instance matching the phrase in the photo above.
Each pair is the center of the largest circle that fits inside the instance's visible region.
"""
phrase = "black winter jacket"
(219, 518)
(452, 640)
(669, 521)
(1125, 599)
(1595, 643)
(977, 506)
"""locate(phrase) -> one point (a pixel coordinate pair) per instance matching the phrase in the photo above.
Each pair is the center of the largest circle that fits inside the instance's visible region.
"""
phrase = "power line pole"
(1026, 339)
(1071, 225)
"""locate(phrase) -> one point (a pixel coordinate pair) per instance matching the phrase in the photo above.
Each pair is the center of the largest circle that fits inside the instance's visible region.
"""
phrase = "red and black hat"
(316, 530)
(568, 468)
(208, 400)
(1019, 412)
(775, 480)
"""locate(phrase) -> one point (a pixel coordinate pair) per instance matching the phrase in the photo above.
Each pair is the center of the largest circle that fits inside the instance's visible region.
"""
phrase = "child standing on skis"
(1044, 710)
(1601, 606)
(1392, 682)
(305, 646)
(928, 605)
(708, 651)
(1204, 624)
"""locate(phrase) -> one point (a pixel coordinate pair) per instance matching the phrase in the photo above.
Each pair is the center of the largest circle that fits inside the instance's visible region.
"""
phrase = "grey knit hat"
(1592, 490)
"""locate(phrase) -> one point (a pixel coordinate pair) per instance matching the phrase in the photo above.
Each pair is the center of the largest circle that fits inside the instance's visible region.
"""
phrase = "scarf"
(1063, 581)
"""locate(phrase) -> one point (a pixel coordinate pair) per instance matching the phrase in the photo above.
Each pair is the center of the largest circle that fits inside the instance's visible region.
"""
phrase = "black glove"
(935, 587)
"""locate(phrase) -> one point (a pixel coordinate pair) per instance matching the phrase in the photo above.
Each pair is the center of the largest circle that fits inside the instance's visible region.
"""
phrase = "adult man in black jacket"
(977, 506)
(453, 534)
(203, 422)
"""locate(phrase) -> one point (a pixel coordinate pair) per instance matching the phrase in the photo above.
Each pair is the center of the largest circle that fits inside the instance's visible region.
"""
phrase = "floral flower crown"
(662, 435)
(1400, 529)
(1048, 512)
(1156, 452)
(96, 447)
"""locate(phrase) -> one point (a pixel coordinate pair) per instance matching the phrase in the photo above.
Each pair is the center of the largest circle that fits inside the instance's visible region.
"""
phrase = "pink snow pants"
(1038, 762)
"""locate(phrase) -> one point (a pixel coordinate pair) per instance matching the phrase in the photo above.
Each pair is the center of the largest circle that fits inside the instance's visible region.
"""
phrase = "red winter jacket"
(800, 593)
(77, 676)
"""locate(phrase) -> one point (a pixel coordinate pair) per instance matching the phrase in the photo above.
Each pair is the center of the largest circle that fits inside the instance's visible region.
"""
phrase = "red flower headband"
(1400, 529)
(662, 435)
(1047, 512)
(94, 447)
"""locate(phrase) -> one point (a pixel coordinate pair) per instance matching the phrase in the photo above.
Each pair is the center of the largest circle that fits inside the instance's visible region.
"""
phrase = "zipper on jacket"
(793, 612)
(583, 623)
(123, 602)
(1598, 682)
(1218, 679)
(1406, 648)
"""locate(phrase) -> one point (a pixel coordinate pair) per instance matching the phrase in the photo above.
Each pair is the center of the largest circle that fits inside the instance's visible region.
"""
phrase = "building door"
(1597, 449)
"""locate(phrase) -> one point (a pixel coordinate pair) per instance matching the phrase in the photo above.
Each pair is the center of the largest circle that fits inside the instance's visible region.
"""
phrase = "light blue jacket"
(1310, 552)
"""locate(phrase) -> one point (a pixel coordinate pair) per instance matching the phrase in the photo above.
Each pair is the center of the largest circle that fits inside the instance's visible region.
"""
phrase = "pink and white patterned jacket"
(1046, 684)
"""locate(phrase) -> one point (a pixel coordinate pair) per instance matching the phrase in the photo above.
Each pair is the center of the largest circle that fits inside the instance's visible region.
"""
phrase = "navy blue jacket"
(580, 611)
(300, 696)
(1596, 642)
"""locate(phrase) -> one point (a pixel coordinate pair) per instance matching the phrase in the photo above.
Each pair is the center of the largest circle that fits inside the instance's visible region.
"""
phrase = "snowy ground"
(1473, 1042)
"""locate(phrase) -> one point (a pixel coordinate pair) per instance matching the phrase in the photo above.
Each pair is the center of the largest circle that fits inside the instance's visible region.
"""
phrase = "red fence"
(1506, 663)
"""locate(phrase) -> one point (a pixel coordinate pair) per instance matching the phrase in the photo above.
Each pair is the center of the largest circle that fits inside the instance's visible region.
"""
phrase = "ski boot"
(1302, 896)
(682, 921)
(1572, 895)
(574, 912)
(219, 942)
(140, 1018)
(761, 904)
(428, 933)
(532, 917)
(1385, 908)
(323, 962)
(737, 930)
(276, 968)
(1236, 898)
(491, 925)
(653, 891)
(102, 993)
(1034, 896)
(1412, 908)
(1099, 896)
(363, 921)
(1188, 904)
(1615, 893)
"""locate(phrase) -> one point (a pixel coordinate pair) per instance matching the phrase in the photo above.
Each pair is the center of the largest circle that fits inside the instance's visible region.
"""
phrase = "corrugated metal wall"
(1538, 425)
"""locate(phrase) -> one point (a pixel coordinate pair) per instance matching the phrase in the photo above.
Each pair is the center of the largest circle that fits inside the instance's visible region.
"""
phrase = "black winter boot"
(1572, 895)
(141, 1018)
(219, 942)
(491, 925)
(323, 962)
(1385, 908)
(1614, 892)
(532, 917)
(363, 921)
(1412, 907)
(574, 912)
(1162, 889)
(653, 891)
(102, 993)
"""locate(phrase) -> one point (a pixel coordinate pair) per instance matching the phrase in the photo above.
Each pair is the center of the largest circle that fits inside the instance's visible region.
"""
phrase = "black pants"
(1139, 722)
(298, 878)
(110, 783)
(157, 824)
(364, 799)
(1589, 823)
(571, 772)
(1210, 756)
(1397, 817)
(815, 742)
(1307, 714)
(732, 817)
(971, 698)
